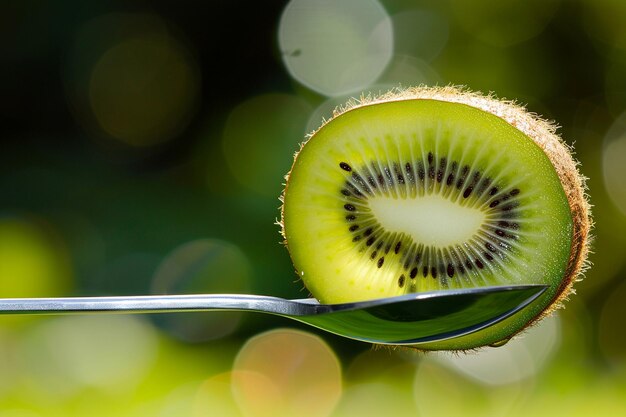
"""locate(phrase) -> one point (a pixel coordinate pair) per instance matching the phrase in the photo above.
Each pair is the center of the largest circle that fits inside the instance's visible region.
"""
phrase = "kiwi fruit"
(435, 188)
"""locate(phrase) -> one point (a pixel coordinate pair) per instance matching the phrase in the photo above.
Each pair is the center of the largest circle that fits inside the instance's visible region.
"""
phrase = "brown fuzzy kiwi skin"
(542, 132)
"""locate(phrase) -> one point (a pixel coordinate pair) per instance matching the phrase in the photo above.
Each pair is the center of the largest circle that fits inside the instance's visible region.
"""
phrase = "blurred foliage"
(142, 149)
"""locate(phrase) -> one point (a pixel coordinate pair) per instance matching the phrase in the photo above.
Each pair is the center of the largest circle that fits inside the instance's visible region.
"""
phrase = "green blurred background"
(143, 147)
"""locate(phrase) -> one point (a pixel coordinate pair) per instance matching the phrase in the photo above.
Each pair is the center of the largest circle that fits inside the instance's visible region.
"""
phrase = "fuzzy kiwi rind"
(543, 134)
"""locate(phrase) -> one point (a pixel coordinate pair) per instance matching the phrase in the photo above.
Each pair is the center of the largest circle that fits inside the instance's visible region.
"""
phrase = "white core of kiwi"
(431, 220)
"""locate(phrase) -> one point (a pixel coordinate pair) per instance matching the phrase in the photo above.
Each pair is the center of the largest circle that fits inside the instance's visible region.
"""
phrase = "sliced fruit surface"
(419, 195)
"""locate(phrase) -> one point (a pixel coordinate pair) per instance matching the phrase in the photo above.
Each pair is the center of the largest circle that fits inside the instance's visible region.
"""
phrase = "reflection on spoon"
(407, 319)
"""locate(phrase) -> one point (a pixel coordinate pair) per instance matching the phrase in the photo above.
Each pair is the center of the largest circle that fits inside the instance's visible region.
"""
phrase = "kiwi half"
(432, 189)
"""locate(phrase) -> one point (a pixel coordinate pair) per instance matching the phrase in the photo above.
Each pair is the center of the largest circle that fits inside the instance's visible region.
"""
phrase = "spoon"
(402, 320)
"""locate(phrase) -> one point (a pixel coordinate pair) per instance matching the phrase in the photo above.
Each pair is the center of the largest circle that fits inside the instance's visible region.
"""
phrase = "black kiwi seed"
(420, 171)
(349, 207)
(461, 180)
(431, 172)
(345, 166)
(470, 188)
(401, 281)
(368, 232)
(450, 270)
(413, 273)
(373, 255)
(431, 166)
(353, 227)
(345, 192)
(399, 175)
(381, 180)
(381, 260)
(397, 248)
(370, 241)
(409, 172)
(350, 217)
(441, 170)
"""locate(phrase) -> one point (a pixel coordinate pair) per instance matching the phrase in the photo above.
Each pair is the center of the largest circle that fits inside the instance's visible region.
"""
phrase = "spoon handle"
(153, 304)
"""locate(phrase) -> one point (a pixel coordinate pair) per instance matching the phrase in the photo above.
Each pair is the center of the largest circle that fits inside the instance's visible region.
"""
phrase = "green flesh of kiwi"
(410, 194)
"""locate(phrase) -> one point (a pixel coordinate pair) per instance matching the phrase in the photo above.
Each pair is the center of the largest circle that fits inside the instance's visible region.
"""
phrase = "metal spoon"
(407, 319)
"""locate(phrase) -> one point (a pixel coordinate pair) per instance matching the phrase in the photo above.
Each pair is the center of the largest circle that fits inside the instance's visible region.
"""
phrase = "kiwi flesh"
(432, 189)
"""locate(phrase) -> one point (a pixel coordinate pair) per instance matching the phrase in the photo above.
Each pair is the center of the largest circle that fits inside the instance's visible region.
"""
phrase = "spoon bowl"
(409, 319)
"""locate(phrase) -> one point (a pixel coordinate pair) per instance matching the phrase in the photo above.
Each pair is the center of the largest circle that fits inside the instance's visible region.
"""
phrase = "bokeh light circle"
(335, 47)
(260, 138)
(286, 373)
(132, 80)
(460, 397)
(203, 266)
(522, 357)
(143, 90)
(67, 354)
(440, 391)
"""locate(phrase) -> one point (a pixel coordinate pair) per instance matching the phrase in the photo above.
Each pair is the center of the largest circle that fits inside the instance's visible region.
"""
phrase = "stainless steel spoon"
(407, 319)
